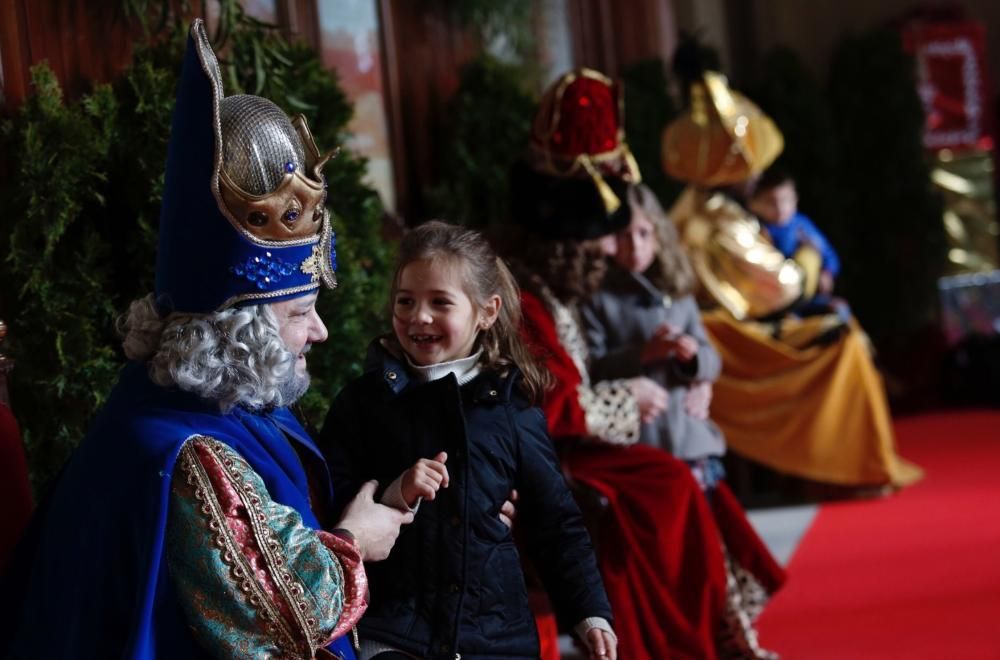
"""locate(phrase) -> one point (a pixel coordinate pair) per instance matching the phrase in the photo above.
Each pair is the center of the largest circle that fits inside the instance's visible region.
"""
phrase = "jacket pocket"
(503, 604)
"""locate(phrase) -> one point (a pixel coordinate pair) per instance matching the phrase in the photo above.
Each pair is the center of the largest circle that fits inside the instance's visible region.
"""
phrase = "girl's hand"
(661, 345)
(650, 396)
(667, 342)
(685, 348)
(424, 479)
(698, 399)
(602, 645)
(508, 510)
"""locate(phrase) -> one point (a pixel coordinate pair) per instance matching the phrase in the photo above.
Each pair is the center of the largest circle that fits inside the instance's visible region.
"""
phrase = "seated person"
(645, 322)
(658, 545)
(786, 398)
(775, 202)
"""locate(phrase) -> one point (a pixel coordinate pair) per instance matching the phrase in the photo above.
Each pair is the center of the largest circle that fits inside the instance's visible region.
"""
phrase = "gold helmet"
(722, 139)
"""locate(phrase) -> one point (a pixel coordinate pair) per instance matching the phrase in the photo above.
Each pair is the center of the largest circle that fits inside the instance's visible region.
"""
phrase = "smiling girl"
(444, 419)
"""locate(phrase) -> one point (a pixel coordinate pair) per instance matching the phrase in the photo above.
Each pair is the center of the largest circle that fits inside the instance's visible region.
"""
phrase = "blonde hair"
(671, 270)
(486, 275)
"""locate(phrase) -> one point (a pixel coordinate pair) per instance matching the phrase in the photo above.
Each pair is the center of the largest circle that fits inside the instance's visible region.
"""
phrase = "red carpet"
(914, 575)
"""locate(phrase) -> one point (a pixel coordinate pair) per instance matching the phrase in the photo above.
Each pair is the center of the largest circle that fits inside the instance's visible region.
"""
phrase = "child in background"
(444, 415)
(644, 322)
(775, 202)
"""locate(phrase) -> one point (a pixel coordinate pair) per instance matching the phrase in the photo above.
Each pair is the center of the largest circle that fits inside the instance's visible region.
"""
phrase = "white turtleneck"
(465, 369)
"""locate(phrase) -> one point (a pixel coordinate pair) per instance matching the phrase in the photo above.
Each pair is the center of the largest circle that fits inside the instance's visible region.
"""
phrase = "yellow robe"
(817, 412)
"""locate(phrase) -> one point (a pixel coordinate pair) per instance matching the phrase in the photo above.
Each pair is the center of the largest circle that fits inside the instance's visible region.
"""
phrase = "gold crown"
(295, 208)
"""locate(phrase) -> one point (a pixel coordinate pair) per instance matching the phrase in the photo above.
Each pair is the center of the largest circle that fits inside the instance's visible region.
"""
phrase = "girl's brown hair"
(486, 275)
(671, 271)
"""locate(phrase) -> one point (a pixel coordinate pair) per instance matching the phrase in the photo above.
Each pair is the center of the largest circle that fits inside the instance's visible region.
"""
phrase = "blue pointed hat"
(243, 219)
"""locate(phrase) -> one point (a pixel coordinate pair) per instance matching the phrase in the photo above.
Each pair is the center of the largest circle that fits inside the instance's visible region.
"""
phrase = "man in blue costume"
(189, 523)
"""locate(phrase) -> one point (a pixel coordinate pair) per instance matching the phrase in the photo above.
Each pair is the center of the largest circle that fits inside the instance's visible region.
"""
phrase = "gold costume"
(736, 265)
(814, 411)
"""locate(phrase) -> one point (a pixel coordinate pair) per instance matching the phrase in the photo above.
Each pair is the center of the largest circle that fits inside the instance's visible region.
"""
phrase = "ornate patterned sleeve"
(611, 411)
(604, 412)
(253, 579)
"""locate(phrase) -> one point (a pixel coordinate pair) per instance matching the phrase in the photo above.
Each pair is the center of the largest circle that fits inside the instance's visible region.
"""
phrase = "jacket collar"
(385, 360)
(620, 280)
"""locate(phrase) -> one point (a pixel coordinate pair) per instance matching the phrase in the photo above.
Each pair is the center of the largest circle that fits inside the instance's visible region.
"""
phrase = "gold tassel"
(608, 196)
(635, 176)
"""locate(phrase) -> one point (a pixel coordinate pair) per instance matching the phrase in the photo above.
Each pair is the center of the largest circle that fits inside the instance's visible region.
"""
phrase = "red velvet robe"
(659, 554)
(659, 548)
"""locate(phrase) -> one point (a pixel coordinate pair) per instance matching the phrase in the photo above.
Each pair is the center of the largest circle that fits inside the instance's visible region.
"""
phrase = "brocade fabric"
(254, 581)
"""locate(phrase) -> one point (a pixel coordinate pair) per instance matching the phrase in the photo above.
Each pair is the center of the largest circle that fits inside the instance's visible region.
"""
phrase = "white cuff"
(581, 629)
(393, 497)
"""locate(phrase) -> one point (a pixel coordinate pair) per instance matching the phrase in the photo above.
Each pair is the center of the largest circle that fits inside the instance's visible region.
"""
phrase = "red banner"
(952, 82)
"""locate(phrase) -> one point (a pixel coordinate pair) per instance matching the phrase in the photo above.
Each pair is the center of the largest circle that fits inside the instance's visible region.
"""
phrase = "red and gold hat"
(572, 184)
(579, 132)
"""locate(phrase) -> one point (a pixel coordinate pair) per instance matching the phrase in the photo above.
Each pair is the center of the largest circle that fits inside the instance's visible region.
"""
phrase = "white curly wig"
(235, 357)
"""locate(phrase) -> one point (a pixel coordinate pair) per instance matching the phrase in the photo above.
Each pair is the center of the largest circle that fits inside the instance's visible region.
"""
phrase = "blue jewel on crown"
(289, 167)
(263, 271)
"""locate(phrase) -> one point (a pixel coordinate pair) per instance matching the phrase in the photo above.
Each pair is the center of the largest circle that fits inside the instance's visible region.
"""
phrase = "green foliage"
(892, 237)
(58, 269)
(80, 208)
(490, 118)
(648, 109)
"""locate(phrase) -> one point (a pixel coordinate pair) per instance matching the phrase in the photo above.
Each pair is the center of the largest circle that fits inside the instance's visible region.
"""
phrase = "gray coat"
(619, 319)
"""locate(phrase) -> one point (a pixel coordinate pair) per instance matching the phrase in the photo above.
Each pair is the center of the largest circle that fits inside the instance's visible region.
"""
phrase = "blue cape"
(94, 566)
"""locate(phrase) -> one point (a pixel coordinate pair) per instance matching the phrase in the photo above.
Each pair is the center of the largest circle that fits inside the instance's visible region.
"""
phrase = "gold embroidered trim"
(286, 582)
(270, 294)
(232, 554)
(317, 264)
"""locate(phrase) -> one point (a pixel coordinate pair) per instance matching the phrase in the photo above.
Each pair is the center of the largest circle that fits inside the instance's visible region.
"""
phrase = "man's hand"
(507, 511)
(650, 396)
(424, 479)
(374, 526)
